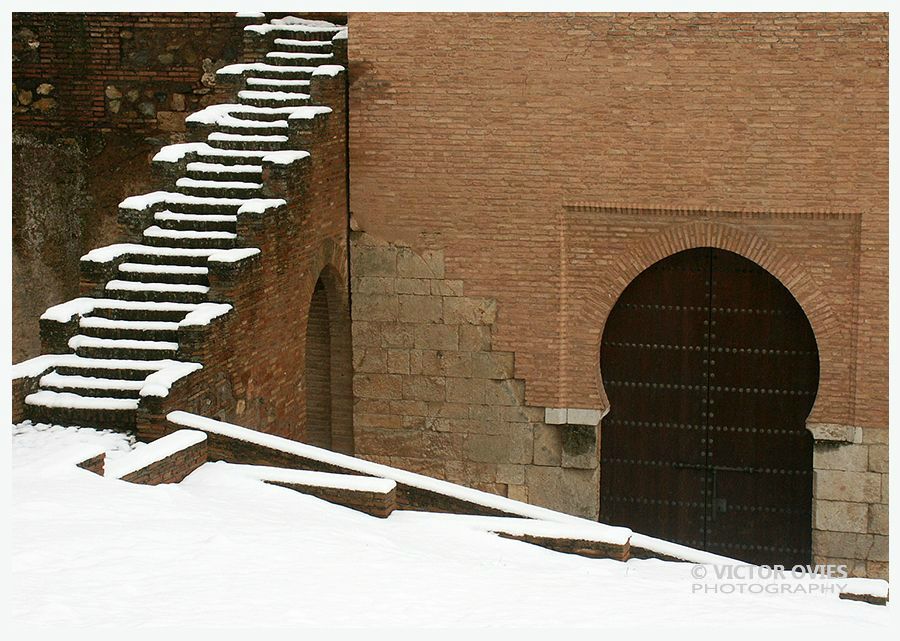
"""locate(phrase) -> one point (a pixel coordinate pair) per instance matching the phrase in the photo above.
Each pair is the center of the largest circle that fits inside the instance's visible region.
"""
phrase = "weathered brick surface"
(581, 547)
(254, 359)
(735, 130)
(224, 448)
(95, 464)
(380, 504)
(557, 156)
(171, 469)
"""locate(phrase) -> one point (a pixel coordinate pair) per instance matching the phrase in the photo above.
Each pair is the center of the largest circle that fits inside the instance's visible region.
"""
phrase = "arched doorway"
(318, 370)
(711, 368)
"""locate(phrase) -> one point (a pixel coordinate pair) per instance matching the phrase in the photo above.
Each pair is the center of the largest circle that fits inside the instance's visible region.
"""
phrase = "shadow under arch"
(328, 365)
(640, 256)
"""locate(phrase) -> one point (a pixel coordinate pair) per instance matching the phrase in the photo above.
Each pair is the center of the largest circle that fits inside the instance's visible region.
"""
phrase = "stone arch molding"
(641, 255)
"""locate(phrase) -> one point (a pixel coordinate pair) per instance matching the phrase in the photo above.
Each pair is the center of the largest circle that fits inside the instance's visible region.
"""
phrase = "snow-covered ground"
(223, 549)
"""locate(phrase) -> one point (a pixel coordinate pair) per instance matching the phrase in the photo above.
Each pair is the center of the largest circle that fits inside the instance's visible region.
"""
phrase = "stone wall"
(432, 394)
(850, 509)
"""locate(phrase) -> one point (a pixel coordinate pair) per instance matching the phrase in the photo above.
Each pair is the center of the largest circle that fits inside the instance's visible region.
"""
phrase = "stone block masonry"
(850, 506)
(432, 396)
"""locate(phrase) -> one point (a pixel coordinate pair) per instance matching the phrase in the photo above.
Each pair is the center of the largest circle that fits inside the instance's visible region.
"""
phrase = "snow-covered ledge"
(165, 460)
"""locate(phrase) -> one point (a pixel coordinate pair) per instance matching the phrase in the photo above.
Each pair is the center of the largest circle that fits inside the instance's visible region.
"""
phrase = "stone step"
(273, 98)
(117, 369)
(277, 84)
(219, 188)
(196, 222)
(129, 349)
(92, 386)
(231, 156)
(157, 236)
(297, 28)
(295, 58)
(129, 329)
(159, 292)
(265, 70)
(117, 309)
(294, 44)
(66, 408)
(222, 171)
(223, 140)
(146, 273)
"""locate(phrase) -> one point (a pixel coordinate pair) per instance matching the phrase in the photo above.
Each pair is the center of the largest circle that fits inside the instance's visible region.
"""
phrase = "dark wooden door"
(711, 368)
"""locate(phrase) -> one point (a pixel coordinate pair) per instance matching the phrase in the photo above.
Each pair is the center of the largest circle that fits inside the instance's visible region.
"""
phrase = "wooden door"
(711, 368)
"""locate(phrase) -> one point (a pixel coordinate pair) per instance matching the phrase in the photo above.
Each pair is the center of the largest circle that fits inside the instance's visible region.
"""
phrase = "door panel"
(711, 368)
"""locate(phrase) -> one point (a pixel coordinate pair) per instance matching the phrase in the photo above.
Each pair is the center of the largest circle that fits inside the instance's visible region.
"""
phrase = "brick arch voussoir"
(641, 255)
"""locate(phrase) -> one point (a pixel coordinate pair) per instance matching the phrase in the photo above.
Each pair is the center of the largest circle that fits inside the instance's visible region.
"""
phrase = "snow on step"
(177, 216)
(328, 70)
(98, 322)
(65, 312)
(271, 95)
(145, 455)
(80, 340)
(178, 234)
(295, 25)
(136, 286)
(163, 372)
(262, 67)
(146, 268)
(175, 153)
(112, 252)
(226, 137)
(289, 42)
(224, 114)
(214, 114)
(317, 479)
(68, 400)
(292, 55)
(215, 168)
(276, 82)
(195, 183)
(145, 201)
(90, 382)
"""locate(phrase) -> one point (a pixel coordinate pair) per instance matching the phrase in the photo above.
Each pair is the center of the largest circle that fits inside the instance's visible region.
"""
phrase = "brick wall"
(170, 469)
(549, 159)
(675, 118)
(134, 71)
(254, 359)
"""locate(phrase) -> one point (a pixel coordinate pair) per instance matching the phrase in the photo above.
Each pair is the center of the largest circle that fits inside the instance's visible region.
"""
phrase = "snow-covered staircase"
(120, 342)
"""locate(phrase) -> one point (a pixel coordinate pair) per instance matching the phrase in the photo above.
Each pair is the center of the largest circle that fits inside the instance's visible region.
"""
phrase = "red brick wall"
(94, 60)
(761, 133)
(171, 469)
(254, 359)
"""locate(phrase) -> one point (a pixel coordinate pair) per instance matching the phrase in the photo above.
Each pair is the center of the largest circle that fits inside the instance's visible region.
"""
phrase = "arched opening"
(711, 368)
(318, 370)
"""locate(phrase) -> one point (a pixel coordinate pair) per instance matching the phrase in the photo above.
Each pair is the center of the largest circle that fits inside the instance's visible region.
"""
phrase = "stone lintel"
(835, 433)
(571, 416)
